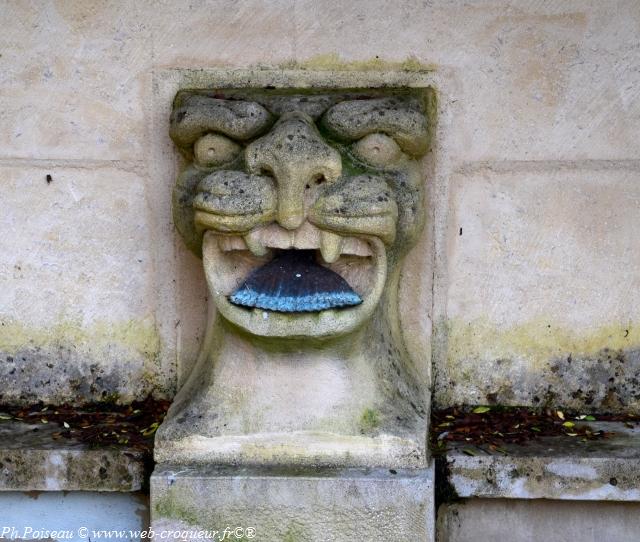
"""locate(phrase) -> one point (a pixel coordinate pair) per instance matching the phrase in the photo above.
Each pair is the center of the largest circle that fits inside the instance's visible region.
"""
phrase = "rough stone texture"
(481, 520)
(404, 119)
(332, 387)
(32, 460)
(537, 81)
(522, 86)
(563, 468)
(77, 307)
(305, 505)
(74, 81)
(543, 295)
(553, 83)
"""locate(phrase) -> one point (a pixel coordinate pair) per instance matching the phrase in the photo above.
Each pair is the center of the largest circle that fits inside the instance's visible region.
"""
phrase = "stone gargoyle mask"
(302, 207)
(307, 184)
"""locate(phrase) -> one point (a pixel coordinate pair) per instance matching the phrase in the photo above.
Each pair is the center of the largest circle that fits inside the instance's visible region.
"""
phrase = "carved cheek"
(233, 201)
(362, 205)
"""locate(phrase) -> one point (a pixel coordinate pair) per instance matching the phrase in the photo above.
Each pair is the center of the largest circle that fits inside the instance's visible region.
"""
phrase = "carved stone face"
(333, 174)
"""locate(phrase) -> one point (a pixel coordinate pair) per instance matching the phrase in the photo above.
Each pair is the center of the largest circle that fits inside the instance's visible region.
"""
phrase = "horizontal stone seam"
(135, 166)
(511, 166)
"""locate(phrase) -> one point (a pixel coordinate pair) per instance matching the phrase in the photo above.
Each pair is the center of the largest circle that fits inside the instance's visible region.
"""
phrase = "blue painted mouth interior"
(294, 282)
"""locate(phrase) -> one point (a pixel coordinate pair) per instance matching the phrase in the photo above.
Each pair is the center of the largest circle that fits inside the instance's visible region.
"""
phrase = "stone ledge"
(553, 468)
(302, 504)
(32, 460)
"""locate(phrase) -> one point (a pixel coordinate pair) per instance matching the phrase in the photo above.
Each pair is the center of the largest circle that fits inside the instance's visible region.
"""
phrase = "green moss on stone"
(369, 420)
(138, 335)
(169, 506)
(294, 534)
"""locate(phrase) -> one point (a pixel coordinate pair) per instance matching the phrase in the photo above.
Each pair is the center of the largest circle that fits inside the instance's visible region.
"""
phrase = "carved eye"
(379, 150)
(213, 150)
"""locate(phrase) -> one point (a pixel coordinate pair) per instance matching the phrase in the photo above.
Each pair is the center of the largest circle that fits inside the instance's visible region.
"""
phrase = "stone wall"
(535, 194)
(551, 521)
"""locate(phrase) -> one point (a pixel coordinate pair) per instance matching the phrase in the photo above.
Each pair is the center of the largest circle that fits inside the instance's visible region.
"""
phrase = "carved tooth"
(330, 246)
(273, 236)
(355, 247)
(255, 244)
(228, 243)
(307, 236)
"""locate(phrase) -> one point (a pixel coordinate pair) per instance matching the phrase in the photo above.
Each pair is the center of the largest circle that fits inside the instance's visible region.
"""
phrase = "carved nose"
(296, 156)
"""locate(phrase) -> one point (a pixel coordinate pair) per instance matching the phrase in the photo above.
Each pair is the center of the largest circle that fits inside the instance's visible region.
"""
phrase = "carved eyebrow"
(197, 115)
(400, 118)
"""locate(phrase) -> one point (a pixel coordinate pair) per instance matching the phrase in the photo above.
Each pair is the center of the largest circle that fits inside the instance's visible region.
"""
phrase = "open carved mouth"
(314, 276)
(295, 282)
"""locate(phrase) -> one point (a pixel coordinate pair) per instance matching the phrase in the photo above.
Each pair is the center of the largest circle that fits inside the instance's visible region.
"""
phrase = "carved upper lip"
(261, 241)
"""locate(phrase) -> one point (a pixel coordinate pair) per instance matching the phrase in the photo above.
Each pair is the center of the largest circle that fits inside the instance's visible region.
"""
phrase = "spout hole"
(319, 179)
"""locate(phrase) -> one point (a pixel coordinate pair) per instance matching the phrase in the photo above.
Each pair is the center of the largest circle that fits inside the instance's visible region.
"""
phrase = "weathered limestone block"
(301, 505)
(543, 298)
(561, 468)
(487, 520)
(84, 98)
(73, 516)
(78, 287)
(32, 459)
(536, 81)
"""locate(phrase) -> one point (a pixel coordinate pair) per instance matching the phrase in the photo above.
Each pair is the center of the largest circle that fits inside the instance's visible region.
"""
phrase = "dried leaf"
(150, 430)
(481, 409)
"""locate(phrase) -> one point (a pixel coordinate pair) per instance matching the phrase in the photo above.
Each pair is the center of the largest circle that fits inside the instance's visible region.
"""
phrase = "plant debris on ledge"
(96, 424)
(491, 427)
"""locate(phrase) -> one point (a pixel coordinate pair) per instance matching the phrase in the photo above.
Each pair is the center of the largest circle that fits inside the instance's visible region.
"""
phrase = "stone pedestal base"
(292, 505)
